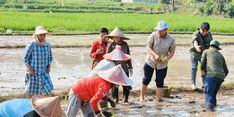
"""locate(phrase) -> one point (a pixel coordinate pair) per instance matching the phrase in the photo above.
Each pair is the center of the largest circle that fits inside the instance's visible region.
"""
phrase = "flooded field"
(71, 64)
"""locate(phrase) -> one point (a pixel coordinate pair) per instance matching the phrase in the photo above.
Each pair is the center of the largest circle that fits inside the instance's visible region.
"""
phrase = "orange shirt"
(97, 45)
(92, 90)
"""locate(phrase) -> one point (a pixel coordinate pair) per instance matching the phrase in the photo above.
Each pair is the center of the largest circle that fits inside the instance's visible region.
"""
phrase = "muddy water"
(70, 64)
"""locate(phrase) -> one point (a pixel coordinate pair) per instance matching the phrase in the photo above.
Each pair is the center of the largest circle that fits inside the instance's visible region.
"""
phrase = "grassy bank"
(91, 22)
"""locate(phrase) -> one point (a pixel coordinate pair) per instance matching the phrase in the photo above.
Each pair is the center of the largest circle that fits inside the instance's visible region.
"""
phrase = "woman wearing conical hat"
(118, 40)
(88, 92)
(110, 60)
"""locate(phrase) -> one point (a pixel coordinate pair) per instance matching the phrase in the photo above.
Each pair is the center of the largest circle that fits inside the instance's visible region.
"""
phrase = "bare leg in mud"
(143, 92)
(159, 94)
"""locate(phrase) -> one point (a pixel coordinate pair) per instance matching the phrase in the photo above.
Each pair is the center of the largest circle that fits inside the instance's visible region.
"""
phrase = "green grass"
(91, 22)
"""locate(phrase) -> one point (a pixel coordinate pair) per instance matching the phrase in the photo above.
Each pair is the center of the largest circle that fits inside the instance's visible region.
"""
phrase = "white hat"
(162, 25)
(40, 30)
(102, 65)
(116, 75)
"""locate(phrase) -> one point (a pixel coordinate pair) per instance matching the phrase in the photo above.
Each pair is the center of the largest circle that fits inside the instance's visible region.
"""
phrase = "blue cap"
(162, 25)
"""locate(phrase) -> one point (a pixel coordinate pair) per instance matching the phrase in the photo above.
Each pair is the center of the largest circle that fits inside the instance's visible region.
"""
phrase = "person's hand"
(202, 73)
(99, 51)
(31, 71)
(156, 57)
(130, 72)
(98, 114)
(48, 67)
(198, 49)
(112, 103)
(103, 104)
(107, 114)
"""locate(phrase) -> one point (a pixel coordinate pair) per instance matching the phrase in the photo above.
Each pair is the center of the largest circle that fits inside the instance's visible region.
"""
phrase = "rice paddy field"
(77, 23)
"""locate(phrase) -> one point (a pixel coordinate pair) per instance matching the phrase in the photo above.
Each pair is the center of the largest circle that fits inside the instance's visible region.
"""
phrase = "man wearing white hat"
(88, 92)
(37, 58)
(160, 49)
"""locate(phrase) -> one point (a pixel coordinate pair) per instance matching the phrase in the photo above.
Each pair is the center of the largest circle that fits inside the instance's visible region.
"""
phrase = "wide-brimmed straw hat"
(40, 30)
(216, 44)
(117, 33)
(116, 75)
(117, 55)
(47, 106)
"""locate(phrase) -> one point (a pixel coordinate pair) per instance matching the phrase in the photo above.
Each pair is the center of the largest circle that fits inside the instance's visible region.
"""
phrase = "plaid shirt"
(38, 84)
(38, 57)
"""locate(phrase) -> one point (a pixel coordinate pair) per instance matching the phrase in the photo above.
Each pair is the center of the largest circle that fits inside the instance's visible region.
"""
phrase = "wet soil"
(71, 64)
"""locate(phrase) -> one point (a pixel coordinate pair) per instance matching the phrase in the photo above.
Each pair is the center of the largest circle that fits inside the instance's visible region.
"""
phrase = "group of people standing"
(112, 67)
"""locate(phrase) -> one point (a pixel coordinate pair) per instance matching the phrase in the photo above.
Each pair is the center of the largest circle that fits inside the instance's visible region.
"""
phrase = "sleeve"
(129, 62)
(203, 61)
(110, 48)
(172, 46)
(225, 67)
(102, 91)
(196, 38)
(28, 53)
(150, 42)
(93, 50)
(50, 54)
(211, 38)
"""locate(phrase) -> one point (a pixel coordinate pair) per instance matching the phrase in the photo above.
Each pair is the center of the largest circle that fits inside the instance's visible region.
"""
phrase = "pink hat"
(47, 106)
(116, 75)
(117, 55)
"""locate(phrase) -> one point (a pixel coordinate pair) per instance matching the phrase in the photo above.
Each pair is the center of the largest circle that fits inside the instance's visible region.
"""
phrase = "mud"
(71, 64)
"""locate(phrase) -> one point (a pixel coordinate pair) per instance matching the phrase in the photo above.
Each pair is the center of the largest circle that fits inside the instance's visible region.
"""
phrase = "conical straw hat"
(117, 33)
(47, 106)
(116, 75)
(117, 55)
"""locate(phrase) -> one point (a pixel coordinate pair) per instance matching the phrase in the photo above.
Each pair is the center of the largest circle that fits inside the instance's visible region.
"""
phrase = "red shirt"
(96, 45)
(92, 90)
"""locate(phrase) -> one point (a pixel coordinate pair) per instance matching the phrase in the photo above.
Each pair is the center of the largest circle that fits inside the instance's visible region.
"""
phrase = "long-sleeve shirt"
(125, 48)
(213, 63)
(38, 57)
(202, 41)
(92, 90)
(98, 44)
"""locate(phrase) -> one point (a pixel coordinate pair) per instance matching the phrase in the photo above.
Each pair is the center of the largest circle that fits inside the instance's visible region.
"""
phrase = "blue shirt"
(16, 107)
(38, 57)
